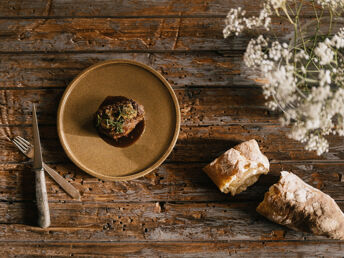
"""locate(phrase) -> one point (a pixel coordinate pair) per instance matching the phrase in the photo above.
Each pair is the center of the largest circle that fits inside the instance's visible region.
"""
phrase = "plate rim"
(165, 154)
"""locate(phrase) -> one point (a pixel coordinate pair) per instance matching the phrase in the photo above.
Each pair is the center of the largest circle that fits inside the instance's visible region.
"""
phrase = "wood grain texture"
(212, 140)
(124, 34)
(175, 211)
(175, 249)
(174, 182)
(131, 8)
(225, 106)
(144, 221)
(180, 69)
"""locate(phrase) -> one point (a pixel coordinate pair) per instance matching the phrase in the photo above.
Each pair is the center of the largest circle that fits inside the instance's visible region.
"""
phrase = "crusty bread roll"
(238, 168)
(293, 203)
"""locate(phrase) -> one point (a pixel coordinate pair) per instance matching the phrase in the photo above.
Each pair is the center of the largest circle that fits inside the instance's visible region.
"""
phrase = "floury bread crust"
(293, 203)
(238, 168)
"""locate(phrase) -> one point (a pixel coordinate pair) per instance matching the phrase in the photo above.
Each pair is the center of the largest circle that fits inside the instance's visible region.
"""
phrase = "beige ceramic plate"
(81, 100)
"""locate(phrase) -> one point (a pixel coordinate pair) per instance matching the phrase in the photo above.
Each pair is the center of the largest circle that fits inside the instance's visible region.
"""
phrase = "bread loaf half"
(293, 203)
(238, 168)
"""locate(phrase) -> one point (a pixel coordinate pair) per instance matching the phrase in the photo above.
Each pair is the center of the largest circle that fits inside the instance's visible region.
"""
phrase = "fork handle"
(70, 189)
(42, 199)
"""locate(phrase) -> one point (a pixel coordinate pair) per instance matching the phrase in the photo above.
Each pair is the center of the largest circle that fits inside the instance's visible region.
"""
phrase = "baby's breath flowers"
(236, 21)
(305, 78)
(335, 5)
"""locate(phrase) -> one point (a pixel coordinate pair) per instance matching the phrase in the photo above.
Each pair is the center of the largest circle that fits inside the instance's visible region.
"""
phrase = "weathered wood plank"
(212, 140)
(144, 221)
(89, 8)
(180, 69)
(175, 182)
(199, 106)
(176, 249)
(114, 34)
(219, 112)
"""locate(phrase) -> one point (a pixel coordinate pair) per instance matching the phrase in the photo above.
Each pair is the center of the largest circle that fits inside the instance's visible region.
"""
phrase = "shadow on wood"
(29, 214)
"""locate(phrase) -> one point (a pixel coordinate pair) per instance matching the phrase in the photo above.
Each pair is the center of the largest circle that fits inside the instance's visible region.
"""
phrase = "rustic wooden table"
(176, 210)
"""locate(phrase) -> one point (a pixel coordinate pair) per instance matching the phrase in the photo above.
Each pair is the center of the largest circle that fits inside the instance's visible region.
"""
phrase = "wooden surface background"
(176, 210)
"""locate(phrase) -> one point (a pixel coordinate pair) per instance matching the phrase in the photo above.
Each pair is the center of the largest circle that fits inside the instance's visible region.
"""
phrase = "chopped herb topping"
(117, 125)
(114, 118)
(99, 119)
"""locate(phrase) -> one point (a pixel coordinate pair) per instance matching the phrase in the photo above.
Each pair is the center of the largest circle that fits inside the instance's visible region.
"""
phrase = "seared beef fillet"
(118, 116)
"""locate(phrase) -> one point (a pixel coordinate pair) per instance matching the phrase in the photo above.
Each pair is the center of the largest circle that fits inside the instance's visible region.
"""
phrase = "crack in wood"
(5, 131)
(32, 27)
(177, 34)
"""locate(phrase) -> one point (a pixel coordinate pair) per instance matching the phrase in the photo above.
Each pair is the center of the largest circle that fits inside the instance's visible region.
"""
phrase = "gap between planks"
(227, 51)
(71, 201)
(306, 162)
(171, 16)
(177, 87)
(329, 241)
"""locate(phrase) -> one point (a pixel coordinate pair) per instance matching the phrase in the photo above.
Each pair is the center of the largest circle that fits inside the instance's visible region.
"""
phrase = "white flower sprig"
(236, 21)
(335, 5)
(305, 80)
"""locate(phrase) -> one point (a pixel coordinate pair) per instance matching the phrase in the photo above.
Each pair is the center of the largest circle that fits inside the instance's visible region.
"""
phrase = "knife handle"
(70, 189)
(42, 199)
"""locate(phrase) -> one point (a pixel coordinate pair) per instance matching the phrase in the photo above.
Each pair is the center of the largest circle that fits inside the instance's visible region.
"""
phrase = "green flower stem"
(306, 79)
(311, 59)
(331, 19)
(300, 29)
(291, 9)
(284, 8)
(278, 103)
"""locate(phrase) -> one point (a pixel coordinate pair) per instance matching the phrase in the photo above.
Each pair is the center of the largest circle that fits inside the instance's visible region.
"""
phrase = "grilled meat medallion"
(118, 116)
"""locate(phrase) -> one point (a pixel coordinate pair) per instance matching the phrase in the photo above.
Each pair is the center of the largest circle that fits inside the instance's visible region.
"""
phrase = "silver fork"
(28, 150)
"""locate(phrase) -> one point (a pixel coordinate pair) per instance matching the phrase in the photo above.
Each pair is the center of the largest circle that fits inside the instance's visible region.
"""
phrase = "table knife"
(41, 189)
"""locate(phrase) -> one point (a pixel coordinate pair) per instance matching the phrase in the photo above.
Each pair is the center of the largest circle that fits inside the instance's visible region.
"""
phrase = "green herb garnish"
(117, 125)
(115, 118)
(99, 119)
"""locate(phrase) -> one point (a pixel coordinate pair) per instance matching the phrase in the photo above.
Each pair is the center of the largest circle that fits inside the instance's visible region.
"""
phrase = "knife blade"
(41, 189)
(37, 158)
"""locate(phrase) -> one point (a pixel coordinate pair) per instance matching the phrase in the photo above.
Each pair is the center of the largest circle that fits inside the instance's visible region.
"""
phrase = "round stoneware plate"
(81, 100)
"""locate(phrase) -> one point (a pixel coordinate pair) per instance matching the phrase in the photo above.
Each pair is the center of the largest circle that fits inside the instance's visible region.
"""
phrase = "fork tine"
(23, 141)
(18, 143)
(20, 146)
